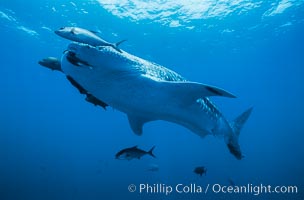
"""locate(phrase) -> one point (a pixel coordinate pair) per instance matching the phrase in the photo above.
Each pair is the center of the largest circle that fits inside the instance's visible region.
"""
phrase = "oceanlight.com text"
(193, 188)
(254, 189)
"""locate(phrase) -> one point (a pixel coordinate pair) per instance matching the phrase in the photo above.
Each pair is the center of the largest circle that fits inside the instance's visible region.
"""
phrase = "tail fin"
(232, 140)
(115, 45)
(238, 123)
(118, 43)
(151, 152)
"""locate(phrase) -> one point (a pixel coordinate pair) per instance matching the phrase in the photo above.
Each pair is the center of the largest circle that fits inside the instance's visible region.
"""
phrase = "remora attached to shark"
(146, 92)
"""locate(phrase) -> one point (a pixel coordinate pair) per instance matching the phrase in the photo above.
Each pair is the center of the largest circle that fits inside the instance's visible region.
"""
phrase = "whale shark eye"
(61, 28)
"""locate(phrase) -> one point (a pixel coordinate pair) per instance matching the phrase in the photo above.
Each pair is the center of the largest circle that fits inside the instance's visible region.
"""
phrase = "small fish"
(231, 182)
(200, 170)
(91, 99)
(77, 85)
(85, 36)
(153, 168)
(54, 64)
(51, 63)
(133, 152)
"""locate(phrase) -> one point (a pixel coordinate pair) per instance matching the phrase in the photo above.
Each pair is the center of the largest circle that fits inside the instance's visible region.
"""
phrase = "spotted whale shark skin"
(146, 92)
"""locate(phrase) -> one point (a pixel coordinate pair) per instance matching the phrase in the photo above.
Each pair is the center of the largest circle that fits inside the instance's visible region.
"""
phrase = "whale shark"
(146, 91)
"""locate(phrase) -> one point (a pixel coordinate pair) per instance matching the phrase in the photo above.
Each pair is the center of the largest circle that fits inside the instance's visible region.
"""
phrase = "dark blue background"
(54, 145)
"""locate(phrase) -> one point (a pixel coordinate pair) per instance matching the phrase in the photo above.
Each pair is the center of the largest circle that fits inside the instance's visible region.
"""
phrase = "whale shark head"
(100, 58)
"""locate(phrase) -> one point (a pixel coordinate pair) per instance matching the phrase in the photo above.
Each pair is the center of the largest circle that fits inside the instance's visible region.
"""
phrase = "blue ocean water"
(55, 145)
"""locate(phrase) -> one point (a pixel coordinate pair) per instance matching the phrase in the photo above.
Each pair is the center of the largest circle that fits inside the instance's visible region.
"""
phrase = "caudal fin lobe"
(232, 140)
(238, 123)
(151, 152)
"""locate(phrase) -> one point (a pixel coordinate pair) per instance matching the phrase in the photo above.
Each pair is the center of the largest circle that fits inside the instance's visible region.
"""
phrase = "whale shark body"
(146, 92)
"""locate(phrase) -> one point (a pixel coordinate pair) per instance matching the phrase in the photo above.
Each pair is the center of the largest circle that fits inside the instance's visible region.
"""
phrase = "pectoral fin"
(191, 91)
(137, 123)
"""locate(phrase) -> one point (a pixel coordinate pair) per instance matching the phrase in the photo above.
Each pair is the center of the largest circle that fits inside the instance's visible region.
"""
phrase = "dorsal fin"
(137, 123)
(73, 31)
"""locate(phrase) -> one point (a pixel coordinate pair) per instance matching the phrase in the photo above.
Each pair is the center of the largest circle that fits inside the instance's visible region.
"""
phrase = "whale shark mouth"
(74, 60)
(100, 58)
(106, 50)
(71, 57)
